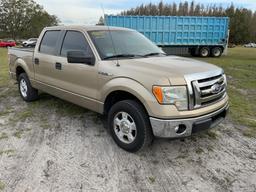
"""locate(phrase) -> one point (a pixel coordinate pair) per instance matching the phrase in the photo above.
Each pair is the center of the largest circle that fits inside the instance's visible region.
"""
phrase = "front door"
(78, 78)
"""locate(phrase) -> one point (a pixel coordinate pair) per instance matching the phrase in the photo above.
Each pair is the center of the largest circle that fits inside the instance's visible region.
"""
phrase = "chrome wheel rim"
(204, 52)
(125, 127)
(216, 52)
(23, 88)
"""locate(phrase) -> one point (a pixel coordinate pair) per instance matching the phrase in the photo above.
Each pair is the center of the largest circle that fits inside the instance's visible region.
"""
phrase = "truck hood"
(172, 67)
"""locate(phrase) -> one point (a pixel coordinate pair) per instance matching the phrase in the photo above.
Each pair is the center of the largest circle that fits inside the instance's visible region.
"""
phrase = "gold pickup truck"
(120, 73)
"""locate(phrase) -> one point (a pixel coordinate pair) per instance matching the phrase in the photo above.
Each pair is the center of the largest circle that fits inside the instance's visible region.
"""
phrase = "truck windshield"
(125, 44)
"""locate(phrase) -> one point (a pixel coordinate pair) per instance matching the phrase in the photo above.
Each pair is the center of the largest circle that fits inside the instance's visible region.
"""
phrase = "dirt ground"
(52, 145)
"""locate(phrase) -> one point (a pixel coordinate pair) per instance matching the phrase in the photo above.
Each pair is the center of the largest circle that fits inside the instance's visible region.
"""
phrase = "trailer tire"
(216, 52)
(204, 52)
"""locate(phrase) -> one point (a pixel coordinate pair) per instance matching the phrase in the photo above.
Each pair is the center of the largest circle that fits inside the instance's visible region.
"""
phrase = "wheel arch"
(122, 89)
(20, 67)
(219, 46)
(119, 95)
(19, 70)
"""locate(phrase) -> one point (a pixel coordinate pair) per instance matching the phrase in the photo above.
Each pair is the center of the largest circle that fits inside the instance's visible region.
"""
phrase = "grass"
(199, 151)
(3, 136)
(3, 113)
(4, 68)
(212, 134)
(18, 134)
(239, 65)
(7, 152)
(152, 179)
(2, 186)
(7, 111)
(21, 116)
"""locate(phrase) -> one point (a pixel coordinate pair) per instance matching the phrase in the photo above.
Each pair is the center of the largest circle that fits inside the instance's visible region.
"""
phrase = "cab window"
(75, 41)
(49, 41)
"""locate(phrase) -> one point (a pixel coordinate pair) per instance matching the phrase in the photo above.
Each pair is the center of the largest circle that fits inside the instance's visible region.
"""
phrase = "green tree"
(192, 8)
(23, 18)
(101, 21)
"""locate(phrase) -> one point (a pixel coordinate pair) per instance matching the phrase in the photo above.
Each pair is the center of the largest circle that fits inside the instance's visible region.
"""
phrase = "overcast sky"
(89, 11)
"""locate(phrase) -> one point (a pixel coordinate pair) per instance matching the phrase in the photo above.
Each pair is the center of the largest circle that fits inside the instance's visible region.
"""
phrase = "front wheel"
(129, 126)
(27, 92)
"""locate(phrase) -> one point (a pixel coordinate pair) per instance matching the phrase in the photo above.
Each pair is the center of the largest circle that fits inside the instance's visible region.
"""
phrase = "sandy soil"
(43, 149)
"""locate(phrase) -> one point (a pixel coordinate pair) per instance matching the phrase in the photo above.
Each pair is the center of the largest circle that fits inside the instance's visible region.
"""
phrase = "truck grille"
(206, 90)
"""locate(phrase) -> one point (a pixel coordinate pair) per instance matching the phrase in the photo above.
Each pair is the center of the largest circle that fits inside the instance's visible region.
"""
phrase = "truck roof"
(87, 28)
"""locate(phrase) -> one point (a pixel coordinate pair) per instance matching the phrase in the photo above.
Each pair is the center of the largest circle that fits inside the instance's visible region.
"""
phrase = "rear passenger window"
(75, 41)
(49, 42)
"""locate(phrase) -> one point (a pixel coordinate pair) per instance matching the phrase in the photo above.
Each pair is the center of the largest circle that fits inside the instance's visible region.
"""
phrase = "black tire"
(31, 93)
(216, 52)
(204, 52)
(144, 135)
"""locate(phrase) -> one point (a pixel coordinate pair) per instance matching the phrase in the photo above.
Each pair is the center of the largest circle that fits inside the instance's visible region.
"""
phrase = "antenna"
(111, 38)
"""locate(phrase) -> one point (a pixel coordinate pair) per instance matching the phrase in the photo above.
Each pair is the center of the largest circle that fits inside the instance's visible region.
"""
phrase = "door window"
(49, 41)
(75, 41)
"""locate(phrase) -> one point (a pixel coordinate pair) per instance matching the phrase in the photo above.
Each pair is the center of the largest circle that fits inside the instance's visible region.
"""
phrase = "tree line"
(23, 19)
(242, 21)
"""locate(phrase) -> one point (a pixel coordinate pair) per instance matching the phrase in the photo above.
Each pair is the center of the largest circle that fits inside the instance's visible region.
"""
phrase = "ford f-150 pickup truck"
(120, 73)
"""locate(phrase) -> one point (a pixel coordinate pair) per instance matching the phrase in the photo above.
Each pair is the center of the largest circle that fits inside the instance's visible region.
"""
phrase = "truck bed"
(20, 51)
(24, 54)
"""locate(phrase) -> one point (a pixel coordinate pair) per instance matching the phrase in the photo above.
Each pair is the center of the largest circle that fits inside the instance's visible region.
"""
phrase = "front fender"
(135, 88)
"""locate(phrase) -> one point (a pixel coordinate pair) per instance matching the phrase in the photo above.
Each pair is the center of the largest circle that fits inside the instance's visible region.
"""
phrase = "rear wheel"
(204, 52)
(129, 125)
(27, 92)
(216, 52)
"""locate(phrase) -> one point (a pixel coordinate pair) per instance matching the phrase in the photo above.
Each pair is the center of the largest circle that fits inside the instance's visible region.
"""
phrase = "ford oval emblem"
(215, 88)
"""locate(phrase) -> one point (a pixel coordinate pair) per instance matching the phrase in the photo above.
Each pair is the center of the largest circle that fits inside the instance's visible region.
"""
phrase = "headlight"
(176, 95)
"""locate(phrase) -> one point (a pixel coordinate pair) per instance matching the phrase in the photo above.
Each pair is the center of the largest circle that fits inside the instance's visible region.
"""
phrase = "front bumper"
(176, 128)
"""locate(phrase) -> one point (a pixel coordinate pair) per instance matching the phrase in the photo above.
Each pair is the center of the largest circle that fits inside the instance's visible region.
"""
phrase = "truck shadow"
(198, 143)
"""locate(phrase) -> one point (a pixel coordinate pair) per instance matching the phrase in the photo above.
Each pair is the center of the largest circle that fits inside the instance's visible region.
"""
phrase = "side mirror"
(79, 57)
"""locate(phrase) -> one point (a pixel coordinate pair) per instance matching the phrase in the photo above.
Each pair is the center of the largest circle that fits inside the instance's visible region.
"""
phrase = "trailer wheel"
(204, 52)
(216, 52)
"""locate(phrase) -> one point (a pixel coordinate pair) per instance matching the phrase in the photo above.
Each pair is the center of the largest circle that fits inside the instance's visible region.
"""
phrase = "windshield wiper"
(122, 55)
(152, 54)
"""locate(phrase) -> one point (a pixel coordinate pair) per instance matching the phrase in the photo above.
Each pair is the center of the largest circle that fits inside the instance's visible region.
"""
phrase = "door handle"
(58, 66)
(36, 60)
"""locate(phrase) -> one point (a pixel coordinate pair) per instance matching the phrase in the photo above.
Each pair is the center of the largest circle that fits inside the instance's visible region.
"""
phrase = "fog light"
(181, 128)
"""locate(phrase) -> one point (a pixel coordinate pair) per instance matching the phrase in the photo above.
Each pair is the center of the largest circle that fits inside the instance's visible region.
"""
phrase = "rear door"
(45, 58)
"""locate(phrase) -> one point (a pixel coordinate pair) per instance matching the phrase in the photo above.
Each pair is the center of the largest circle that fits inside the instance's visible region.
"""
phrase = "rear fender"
(21, 63)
